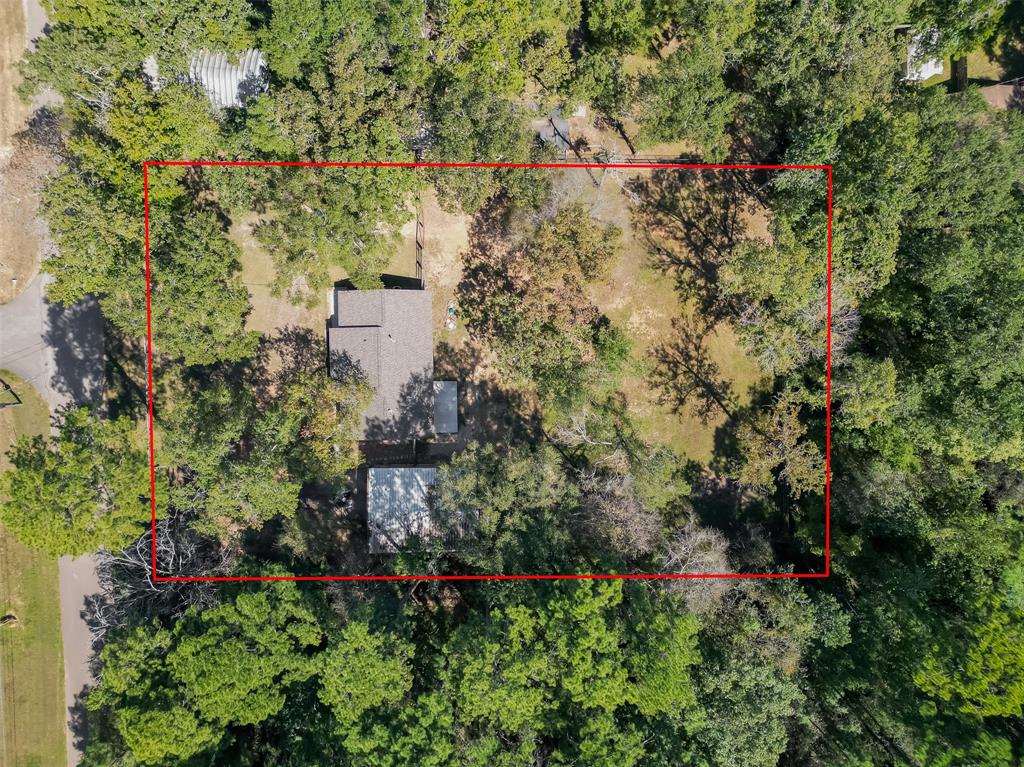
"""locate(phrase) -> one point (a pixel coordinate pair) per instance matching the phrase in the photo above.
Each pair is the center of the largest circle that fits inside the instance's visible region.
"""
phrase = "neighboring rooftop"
(386, 335)
(226, 84)
(553, 130)
(921, 61)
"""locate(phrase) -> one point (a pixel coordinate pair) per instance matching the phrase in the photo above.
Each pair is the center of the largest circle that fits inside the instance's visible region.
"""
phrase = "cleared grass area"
(22, 165)
(642, 300)
(445, 237)
(31, 657)
(270, 312)
(1001, 61)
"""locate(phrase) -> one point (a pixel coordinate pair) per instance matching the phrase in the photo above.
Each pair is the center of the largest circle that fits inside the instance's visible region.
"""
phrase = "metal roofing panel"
(397, 505)
(227, 84)
(446, 407)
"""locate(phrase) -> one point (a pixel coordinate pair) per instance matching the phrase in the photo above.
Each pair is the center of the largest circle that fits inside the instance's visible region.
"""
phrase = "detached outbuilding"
(922, 62)
(230, 80)
(399, 507)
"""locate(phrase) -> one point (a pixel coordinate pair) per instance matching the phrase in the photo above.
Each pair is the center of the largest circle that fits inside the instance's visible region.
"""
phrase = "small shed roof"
(921, 62)
(553, 130)
(397, 506)
(446, 407)
(226, 84)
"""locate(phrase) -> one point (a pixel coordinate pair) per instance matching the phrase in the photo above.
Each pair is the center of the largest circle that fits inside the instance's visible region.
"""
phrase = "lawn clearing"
(31, 663)
(269, 312)
(642, 299)
(23, 165)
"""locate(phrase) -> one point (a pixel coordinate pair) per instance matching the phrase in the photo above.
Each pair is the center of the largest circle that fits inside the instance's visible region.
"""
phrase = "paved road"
(59, 350)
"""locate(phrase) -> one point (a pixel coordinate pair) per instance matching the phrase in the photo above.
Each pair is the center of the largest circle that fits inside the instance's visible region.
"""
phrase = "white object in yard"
(920, 63)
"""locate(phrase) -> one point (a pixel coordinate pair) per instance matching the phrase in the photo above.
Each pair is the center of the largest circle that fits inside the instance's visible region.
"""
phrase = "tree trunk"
(958, 77)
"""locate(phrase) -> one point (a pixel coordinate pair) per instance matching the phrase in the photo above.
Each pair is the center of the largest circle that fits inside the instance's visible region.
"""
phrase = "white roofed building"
(230, 80)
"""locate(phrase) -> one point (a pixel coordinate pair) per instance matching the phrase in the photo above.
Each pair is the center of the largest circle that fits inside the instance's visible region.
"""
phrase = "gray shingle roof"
(387, 336)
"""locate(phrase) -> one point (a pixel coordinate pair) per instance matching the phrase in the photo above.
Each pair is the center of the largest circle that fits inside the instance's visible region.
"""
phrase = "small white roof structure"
(446, 407)
(227, 84)
(920, 64)
(396, 505)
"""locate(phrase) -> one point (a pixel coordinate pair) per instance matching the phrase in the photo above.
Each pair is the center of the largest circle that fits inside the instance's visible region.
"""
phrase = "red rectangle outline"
(523, 577)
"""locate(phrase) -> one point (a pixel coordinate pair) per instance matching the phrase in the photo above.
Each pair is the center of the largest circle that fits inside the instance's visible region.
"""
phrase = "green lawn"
(1004, 61)
(31, 662)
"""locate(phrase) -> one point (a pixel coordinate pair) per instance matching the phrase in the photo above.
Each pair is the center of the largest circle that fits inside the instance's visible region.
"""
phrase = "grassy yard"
(31, 663)
(270, 312)
(642, 299)
(1002, 60)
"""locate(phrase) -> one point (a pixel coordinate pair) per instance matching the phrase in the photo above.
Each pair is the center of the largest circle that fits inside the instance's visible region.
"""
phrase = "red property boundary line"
(524, 577)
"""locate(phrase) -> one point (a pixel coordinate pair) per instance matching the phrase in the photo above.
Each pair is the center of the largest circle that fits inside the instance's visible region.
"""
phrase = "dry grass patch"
(31, 658)
(642, 299)
(23, 166)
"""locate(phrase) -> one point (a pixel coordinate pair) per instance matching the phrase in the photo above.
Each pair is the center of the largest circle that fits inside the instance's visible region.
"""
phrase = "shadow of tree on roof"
(413, 416)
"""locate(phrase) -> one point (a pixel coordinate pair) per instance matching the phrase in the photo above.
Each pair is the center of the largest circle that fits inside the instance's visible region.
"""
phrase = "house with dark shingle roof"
(387, 337)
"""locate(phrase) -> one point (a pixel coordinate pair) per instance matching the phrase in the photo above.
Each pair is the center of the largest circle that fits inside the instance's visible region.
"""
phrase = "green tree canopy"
(173, 691)
(85, 488)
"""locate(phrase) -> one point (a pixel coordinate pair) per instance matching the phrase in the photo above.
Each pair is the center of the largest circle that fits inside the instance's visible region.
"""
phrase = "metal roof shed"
(446, 407)
(397, 506)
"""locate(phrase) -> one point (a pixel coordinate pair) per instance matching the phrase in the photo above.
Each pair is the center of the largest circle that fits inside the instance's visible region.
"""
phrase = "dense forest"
(911, 652)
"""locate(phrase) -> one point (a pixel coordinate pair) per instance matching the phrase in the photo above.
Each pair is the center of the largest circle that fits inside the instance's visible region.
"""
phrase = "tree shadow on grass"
(688, 379)
(692, 222)
(125, 375)
(488, 410)
(485, 272)
(1010, 39)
